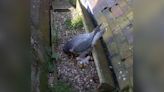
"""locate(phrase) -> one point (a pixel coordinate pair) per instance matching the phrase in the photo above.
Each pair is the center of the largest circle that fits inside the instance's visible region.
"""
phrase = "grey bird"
(80, 43)
(83, 42)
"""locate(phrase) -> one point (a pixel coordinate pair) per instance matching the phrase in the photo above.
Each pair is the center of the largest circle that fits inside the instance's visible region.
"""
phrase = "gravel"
(81, 78)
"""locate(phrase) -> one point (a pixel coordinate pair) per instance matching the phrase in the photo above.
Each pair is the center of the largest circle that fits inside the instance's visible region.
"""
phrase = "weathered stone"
(124, 51)
(61, 5)
(118, 38)
(130, 16)
(124, 23)
(122, 76)
(40, 34)
(116, 11)
(113, 48)
(129, 35)
(123, 5)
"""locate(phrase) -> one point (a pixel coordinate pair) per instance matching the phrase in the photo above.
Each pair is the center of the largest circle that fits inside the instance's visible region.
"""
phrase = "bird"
(82, 44)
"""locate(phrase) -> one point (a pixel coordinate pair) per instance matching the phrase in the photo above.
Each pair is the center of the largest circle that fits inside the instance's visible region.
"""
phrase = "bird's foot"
(83, 62)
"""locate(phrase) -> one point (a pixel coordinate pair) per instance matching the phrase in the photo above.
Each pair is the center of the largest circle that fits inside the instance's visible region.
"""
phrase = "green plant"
(55, 56)
(55, 36)
(61, 87)
(50, 66)
(75, 23)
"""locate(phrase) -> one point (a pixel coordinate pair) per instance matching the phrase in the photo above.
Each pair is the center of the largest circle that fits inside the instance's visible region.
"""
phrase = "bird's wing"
(84, 41)
(83, 45)
(97, 36)
(80, 42)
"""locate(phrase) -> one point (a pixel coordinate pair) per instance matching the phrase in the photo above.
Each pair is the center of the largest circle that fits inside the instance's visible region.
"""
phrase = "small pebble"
(124, 79)
(120, 72)
(123, 75)
(119, 77)
(110, 67)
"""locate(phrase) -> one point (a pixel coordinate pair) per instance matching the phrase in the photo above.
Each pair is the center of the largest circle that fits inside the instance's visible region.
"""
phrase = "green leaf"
(55, 56)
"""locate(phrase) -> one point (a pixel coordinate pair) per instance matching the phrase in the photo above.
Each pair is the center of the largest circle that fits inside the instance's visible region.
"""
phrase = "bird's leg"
(82, 59)
(85, 60)
(83, 54)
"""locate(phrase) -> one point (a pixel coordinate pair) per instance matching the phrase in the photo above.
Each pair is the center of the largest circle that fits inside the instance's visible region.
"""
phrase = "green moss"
(55, 36)
(61, 87)
(50, 66)
(43, 78)
(74, 23)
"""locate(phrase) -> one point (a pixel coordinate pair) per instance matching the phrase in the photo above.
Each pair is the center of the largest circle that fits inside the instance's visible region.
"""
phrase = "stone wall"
(15, 63)
(41, 44)
(117, 19)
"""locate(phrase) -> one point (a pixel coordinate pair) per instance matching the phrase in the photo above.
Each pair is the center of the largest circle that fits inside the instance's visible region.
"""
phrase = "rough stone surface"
(118, 19)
